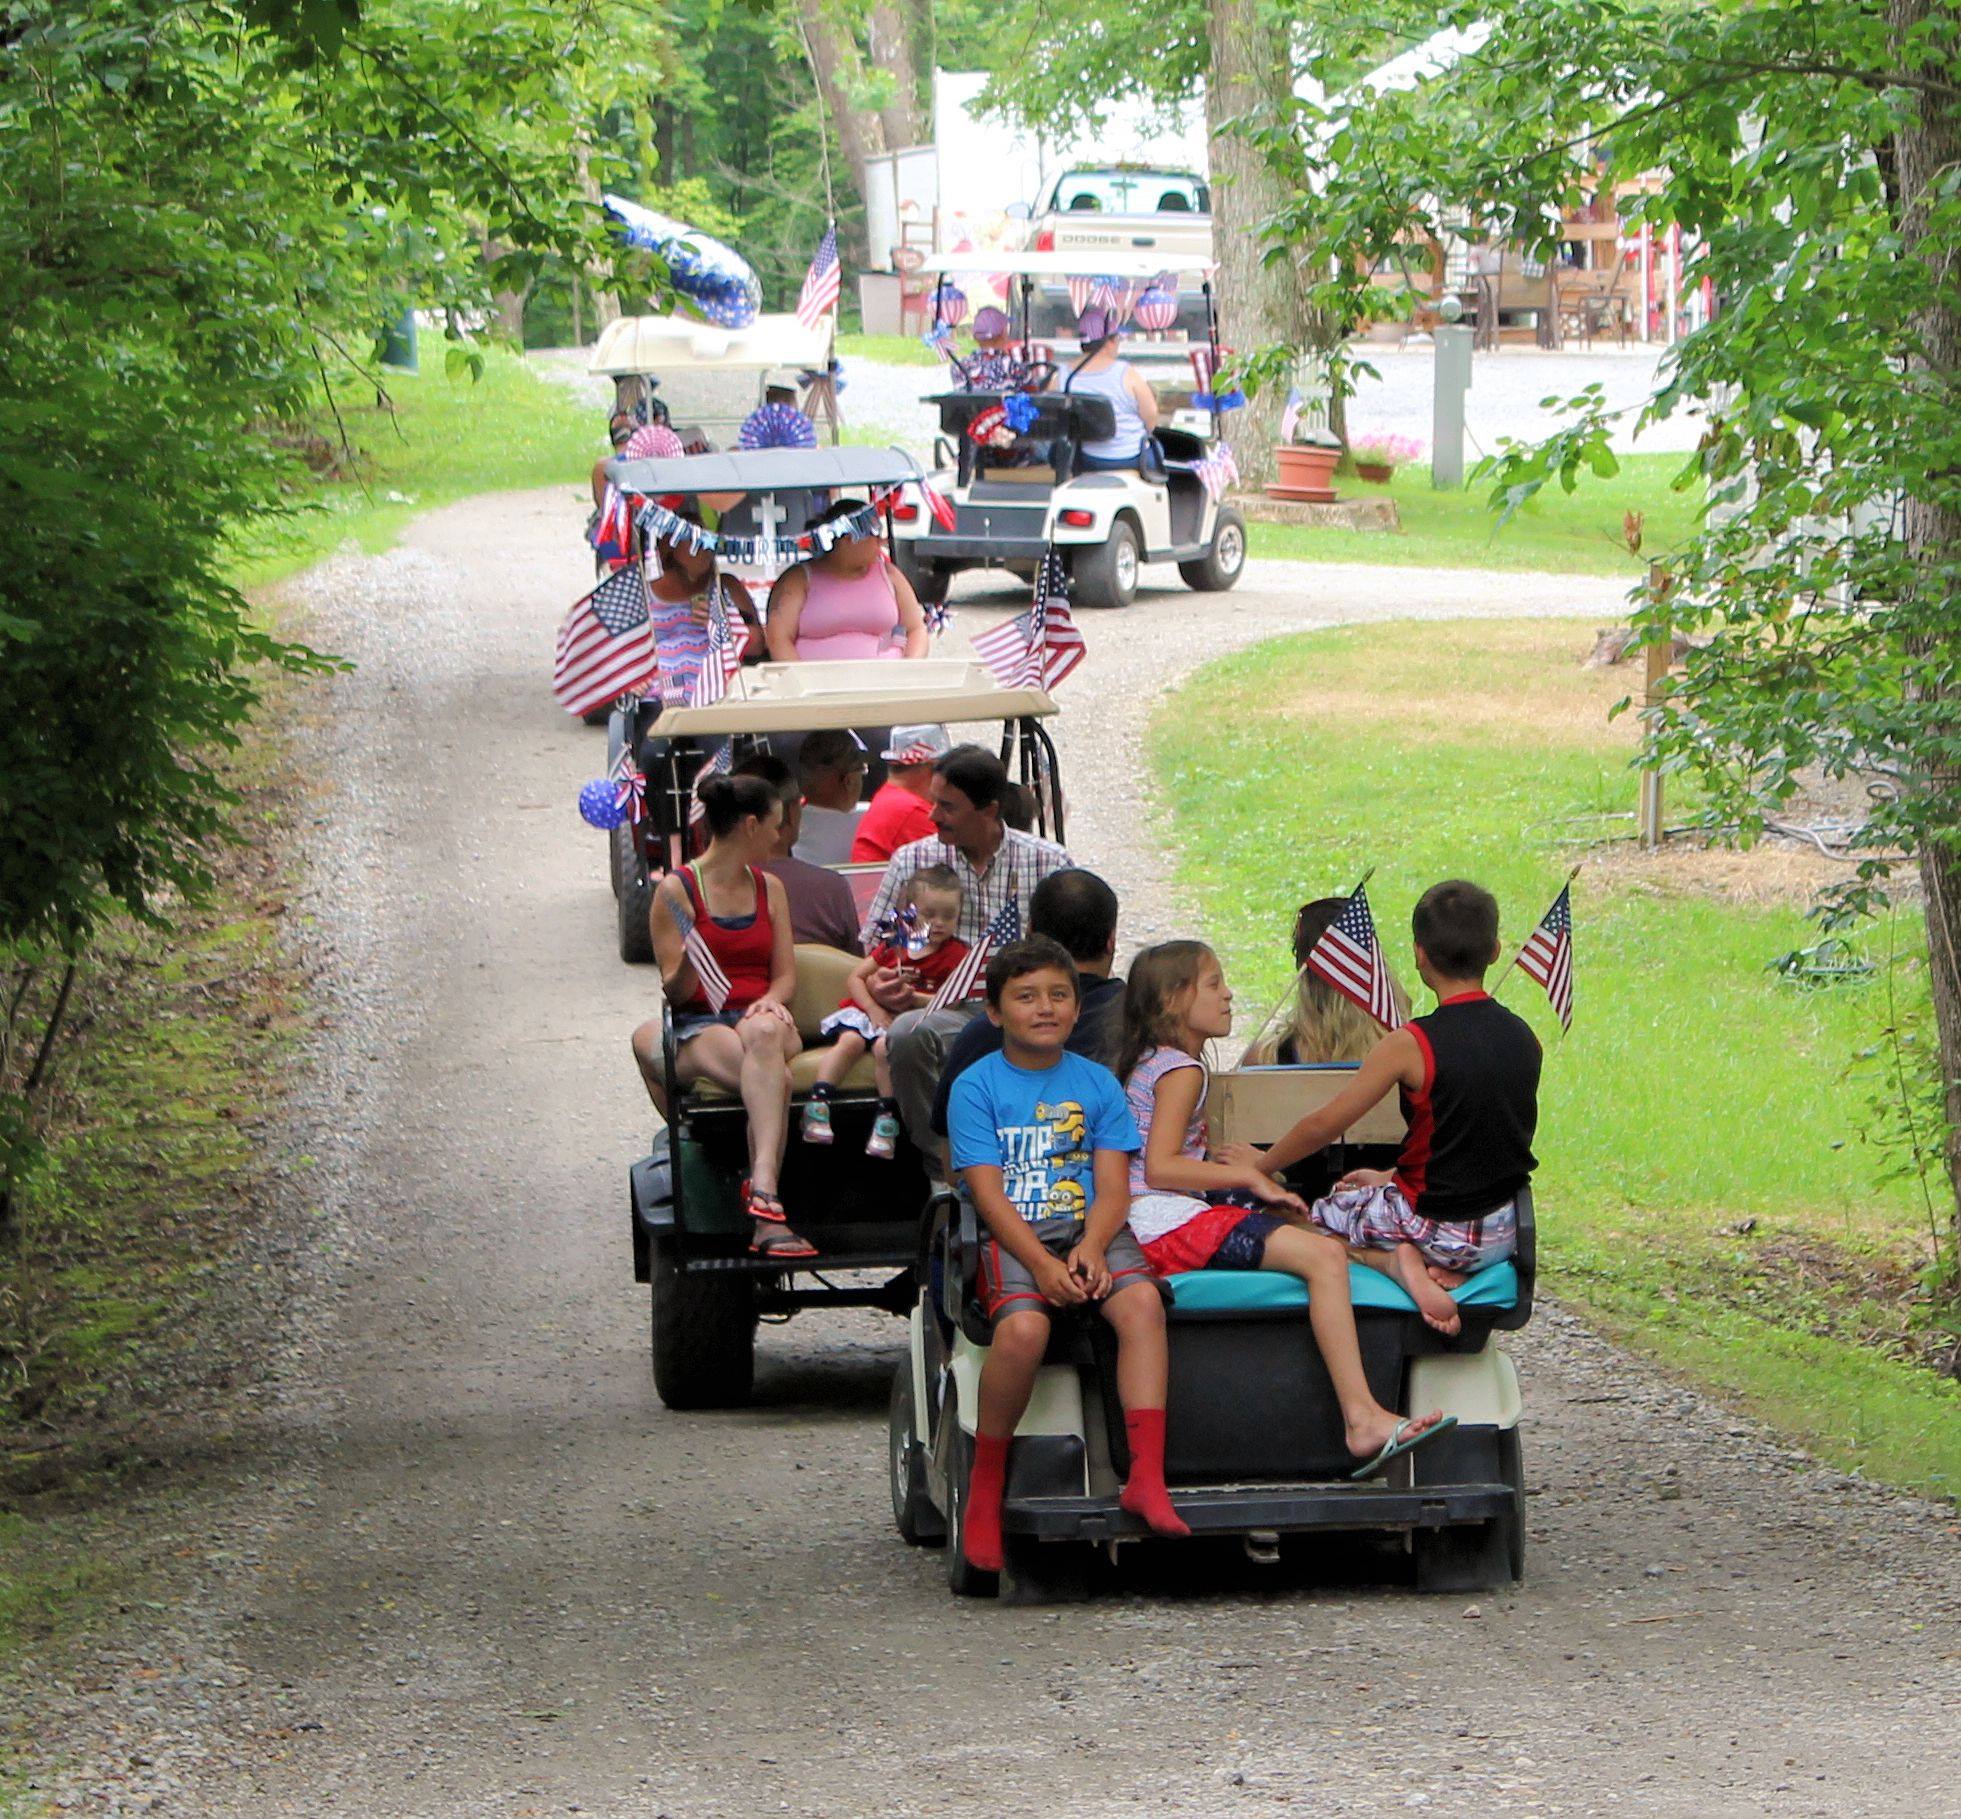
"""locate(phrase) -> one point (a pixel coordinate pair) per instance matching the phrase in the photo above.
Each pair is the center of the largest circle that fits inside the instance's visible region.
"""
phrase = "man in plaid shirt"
(996, 865)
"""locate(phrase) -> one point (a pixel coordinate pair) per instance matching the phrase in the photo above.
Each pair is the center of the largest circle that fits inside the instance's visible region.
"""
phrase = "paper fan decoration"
(1156, 310)
(776, 426)
(599, 804)
(653, 442)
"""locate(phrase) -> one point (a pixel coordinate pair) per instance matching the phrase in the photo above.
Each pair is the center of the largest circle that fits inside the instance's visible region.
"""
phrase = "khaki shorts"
(1007, 1287)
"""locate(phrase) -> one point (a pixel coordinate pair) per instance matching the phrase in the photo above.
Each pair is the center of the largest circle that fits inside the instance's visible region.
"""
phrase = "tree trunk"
(1259, 303)
(889, 34)
(840, 73)
(605, 303)
(508, 304)
(1927, 149)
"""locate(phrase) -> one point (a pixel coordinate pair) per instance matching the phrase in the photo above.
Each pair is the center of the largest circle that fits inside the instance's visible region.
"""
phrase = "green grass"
(1558, 533)
(447, 439)
(1705, 1189)
(888, 350)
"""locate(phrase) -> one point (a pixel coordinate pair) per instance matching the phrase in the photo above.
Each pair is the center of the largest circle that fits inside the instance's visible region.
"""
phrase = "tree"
(1812, 157)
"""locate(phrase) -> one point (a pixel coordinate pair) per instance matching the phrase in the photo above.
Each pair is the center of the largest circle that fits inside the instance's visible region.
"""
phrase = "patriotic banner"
(724, 655)
(1081, 292)
(1217, 471)
(1547, 955)
(819, 296)
(714, 982)
(656, 521)
(967, 977)
(1115, 295)
(1349, 957)
(1042, 645)
(605, 646)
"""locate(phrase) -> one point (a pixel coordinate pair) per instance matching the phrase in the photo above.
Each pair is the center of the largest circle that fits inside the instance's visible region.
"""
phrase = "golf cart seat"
(822, 974)
(1204, 1293)
(1064, 423)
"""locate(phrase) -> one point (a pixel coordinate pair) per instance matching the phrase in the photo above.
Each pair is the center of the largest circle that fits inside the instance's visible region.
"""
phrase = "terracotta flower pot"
(1378, 473)
(1307, 472)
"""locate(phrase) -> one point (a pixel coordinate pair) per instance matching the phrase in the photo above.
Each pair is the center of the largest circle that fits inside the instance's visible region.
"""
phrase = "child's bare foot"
(1432, 1302)
(1444, 1278)
(1368, 1434)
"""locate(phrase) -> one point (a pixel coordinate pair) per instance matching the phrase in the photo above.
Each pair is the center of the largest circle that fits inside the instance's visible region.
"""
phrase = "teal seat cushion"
(1272, 1291)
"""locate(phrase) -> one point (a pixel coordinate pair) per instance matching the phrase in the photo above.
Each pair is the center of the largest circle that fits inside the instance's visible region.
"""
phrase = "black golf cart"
(1254, 1447)
(689, 1234)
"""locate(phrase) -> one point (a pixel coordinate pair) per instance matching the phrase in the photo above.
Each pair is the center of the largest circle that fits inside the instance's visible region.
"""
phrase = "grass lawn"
(888, 350)
(448, 439)
(1558, 533)
(1705, 1189)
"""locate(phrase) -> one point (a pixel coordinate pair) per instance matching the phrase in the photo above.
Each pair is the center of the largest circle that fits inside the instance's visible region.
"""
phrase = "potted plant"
(1306, 465)
(1377, 458)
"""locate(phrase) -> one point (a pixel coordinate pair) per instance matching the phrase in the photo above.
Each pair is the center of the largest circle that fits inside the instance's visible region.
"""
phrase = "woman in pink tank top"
(851, 602)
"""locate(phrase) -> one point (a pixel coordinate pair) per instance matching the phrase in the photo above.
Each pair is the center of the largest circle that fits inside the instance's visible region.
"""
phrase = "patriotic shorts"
(1379, 1219)
(1220, 1238)
(853, 1018)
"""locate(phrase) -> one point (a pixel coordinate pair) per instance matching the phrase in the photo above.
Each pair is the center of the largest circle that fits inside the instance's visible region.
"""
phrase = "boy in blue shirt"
(1042, 1141)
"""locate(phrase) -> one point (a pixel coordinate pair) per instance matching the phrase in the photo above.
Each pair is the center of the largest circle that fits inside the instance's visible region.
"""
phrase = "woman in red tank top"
(728, 964)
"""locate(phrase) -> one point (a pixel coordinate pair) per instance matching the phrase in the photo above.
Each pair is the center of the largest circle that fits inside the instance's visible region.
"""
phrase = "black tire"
(1221, 565)
(633, 899)
(1511, 1462)
(918, 1522)
(597, 716)
(962, 1580)
(704, 1335)
(930, 580)
(1048, 1572)
(1107, 575)
(1479, 1556)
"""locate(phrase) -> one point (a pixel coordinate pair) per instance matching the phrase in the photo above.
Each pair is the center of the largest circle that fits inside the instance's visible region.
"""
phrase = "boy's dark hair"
(773, 771)
(829, 749)
(1020, 958)
(1455, 923)
(931, 878)
(976, 773)
(1077, 909)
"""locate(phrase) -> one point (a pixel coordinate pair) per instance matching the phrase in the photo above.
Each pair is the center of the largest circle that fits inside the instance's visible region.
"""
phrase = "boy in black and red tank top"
(1468, 1074)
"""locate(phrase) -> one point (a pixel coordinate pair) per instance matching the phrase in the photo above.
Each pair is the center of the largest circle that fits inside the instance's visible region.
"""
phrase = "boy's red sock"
(1143, 1492)
(980, 1525)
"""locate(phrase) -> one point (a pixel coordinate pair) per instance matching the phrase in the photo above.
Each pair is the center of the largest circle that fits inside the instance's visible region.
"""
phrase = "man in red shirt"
(902, 810)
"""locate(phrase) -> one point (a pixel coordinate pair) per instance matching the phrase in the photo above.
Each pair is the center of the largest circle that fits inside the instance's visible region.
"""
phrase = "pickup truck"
(1131, 207)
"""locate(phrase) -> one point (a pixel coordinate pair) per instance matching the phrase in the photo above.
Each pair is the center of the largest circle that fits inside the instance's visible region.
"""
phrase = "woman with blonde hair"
(1323, 1025)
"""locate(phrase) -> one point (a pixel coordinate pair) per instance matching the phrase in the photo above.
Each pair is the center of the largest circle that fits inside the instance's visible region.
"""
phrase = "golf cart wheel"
(961, 1579)
(1225, 561)
(930, 580)
(1048, 1572)
(704, 1335)
(633, 897)
(918, 1522)
(1108, 574)
(1479, 1556)
(597, 716)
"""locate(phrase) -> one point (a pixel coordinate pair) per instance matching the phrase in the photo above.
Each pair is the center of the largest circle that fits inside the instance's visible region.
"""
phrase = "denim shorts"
(688, 1024)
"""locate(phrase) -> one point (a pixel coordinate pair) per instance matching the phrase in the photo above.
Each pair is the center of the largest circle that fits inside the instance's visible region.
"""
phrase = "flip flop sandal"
(1401, 1441)
(783, 1246)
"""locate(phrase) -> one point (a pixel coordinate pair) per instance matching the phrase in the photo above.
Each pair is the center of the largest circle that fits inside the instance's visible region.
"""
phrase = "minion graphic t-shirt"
(1041, 1128)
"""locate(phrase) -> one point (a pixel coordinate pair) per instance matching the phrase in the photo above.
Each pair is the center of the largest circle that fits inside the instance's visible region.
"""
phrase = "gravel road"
(467, 1565)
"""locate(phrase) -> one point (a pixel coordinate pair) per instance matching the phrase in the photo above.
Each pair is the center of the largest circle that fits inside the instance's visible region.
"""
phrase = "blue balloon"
(712, 279)
(597, 804)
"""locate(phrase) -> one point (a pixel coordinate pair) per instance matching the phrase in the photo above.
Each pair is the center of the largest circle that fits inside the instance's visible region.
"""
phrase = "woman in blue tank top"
(1101, 373)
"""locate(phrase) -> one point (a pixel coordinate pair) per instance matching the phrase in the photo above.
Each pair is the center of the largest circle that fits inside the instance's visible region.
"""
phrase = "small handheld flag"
(718, 766)
(724, 654)
(714, 982)
(961, 984)
(1547, 955)
(1349, 957)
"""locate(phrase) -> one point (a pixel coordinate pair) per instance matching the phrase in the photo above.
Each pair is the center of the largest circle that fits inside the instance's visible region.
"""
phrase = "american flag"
(1216, 470)
(1291, 416)
(938, 504)
(606, 645)
(1041, 646)
(1548, 955)
(723, 656)
(718, 766)
(714, 982)
(965, 979)
(1349, 957)
(819, 296)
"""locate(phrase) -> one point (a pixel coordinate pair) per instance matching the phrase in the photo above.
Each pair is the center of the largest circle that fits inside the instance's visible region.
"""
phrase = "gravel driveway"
(468, 1566)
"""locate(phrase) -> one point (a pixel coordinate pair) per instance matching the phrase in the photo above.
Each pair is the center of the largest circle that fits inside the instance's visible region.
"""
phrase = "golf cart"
(1254, 1440)
(1010, 506)
(775, 493)
(689, 1233)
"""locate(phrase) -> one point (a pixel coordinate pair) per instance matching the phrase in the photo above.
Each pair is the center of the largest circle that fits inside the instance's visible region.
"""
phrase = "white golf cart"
(1009, 506)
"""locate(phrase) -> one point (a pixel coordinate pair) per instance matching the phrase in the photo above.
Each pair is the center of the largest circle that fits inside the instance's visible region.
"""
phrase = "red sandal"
(783, 1246)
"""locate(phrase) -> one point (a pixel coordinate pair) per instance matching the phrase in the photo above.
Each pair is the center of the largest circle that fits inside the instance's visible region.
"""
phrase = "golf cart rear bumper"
(977, 549)
(1280, 1509)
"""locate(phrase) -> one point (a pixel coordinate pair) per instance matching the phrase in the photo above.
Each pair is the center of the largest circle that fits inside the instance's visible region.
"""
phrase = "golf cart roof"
(803, 697)
(1084, 263)
(678, 344)
(764, 470)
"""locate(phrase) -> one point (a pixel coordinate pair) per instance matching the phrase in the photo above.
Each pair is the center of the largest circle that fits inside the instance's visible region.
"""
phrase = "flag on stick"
(724, 654)
(714, 982)
(605, 645)
(1037, 648)
(1547, 955)
(965, 979)
(819, 296)
(718, 766)
(1349, 957)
